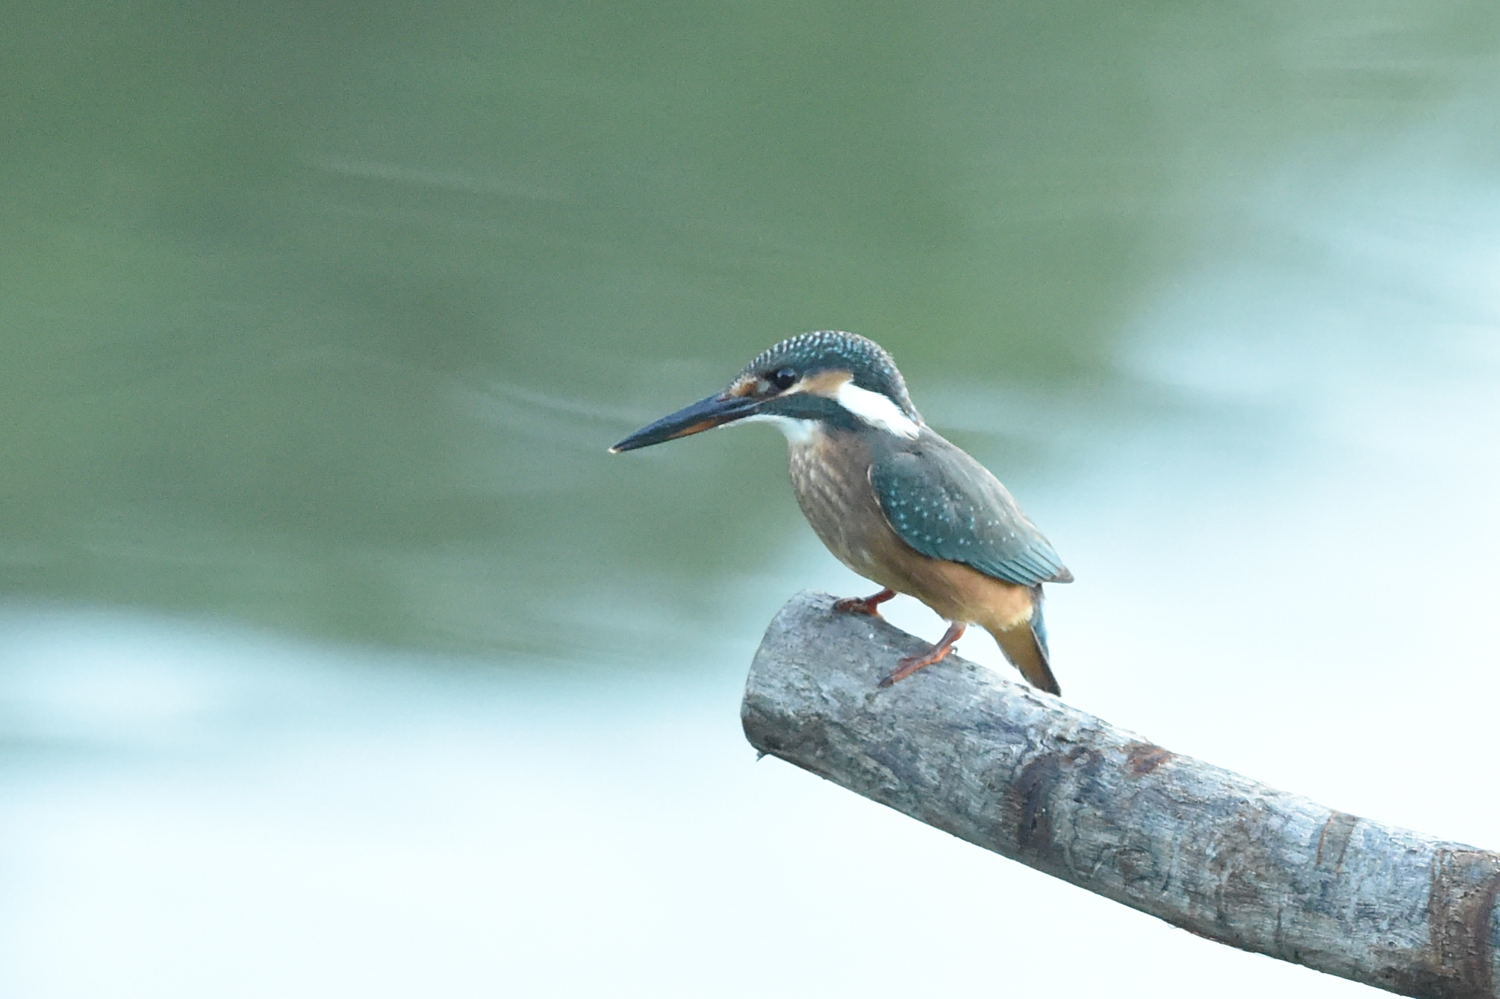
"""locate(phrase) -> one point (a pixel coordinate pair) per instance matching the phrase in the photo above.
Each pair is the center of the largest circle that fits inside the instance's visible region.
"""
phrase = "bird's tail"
(1025, 645)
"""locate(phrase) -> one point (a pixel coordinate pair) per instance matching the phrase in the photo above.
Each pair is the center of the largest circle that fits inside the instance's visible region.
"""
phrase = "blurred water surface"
(336, 654)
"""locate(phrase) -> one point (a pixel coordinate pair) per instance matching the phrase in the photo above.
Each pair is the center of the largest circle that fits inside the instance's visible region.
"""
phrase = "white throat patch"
(796, 431)
(876, 410)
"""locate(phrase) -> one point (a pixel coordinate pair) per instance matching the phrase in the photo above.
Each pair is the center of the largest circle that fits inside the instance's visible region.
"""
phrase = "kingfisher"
(892, 498)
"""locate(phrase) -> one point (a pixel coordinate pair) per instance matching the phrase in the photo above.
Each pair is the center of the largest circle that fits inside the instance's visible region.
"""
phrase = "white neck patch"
(876, 410)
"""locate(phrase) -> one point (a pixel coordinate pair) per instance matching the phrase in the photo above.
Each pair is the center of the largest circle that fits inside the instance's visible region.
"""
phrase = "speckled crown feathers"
(823, 350)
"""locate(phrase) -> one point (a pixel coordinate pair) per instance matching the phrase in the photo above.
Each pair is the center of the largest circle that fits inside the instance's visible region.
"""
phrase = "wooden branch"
(1026, 775)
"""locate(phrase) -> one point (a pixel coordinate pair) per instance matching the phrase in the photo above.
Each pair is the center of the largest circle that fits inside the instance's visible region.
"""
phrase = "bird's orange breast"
(831, 477)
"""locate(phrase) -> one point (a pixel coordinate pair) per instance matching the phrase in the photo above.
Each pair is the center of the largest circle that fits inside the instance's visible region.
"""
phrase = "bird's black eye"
(782, 378)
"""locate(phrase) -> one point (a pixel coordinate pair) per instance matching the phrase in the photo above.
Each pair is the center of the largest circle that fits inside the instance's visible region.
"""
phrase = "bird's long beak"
(705, 414)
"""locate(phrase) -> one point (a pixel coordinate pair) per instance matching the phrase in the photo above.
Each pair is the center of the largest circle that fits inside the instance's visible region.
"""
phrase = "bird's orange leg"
(863, 605)
(911, 664)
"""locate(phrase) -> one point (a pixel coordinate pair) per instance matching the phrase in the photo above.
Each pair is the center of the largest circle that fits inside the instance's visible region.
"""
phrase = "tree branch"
(1029, 777)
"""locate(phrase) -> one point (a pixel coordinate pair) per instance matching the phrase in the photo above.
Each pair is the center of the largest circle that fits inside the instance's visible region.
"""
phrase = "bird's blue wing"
(946, 505)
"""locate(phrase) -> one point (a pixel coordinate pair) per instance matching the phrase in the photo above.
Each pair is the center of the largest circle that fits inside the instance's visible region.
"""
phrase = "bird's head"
(809, 383)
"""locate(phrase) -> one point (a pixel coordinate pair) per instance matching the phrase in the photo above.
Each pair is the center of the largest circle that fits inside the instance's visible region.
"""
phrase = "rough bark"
(1027, 776)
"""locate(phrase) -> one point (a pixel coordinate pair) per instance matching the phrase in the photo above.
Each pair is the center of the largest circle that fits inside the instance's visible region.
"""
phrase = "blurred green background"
(336, 652)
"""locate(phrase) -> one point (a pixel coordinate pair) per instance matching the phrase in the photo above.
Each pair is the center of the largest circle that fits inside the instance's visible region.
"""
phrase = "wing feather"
(946, 505)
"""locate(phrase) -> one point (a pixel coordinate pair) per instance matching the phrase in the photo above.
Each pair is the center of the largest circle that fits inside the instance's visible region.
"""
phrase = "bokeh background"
(336, 656)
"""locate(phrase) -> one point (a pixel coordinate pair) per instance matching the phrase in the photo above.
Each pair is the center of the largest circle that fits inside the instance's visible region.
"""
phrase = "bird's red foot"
(864, 605)
(909, 665)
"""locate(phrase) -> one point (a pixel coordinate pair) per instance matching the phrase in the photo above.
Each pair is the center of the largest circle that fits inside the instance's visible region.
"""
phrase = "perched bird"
(893, 499)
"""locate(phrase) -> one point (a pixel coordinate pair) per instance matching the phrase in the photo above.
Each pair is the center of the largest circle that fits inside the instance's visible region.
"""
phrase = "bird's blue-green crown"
(835, 350)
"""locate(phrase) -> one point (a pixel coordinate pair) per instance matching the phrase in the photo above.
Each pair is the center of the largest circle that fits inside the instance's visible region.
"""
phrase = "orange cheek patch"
(745, 386)
(824, 383)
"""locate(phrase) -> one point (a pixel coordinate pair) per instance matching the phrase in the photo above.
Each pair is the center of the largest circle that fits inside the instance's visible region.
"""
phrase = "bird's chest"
(832, 481)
